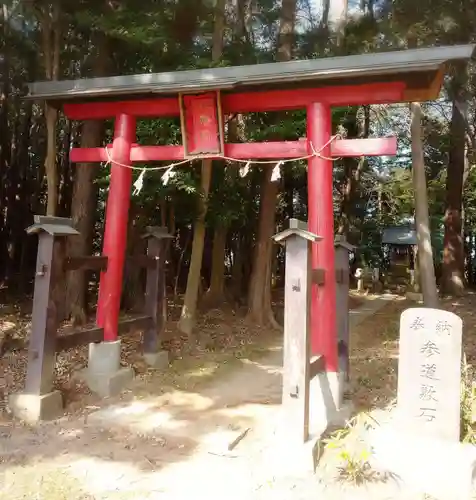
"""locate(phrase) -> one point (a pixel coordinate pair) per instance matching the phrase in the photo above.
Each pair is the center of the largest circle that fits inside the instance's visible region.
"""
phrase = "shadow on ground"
(172, 430)
(147, 430)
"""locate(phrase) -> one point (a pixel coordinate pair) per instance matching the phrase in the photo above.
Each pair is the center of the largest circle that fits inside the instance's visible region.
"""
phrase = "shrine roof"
(400, 235)
(422, 71)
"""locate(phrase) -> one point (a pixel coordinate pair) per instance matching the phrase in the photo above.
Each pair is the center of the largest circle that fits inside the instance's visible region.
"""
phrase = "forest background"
(223, 220)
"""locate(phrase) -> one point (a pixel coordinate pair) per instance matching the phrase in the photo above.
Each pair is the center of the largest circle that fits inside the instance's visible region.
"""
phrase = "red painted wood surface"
(282, 100)
(202, 128)
(321, 222)
(147, 108)
(266, 150)
(115, 232)
(379, 146)
(246, 102)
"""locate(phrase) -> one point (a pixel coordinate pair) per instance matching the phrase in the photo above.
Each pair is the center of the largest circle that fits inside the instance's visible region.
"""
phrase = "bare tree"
(422, 218)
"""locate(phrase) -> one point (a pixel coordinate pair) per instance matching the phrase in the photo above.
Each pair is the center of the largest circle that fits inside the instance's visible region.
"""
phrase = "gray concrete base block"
(157, 360)
(327, 407)
(341, 417)
(104, 375)
(32, 408)
(291, 458)
(440, 468)
(104, 357)
(107, 385)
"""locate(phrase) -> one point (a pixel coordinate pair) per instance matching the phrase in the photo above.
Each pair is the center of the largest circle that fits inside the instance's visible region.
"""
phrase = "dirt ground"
(222, 336)
(374, 351)
(168, 435)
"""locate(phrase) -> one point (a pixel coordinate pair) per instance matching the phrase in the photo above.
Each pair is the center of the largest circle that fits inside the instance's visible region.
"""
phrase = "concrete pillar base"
(158, 360)
(32, 408)
(104, 374)
(327, 409)
(291, 458)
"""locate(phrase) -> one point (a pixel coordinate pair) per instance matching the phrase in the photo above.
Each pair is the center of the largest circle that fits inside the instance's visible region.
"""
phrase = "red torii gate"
(203, 97)
(321, 213)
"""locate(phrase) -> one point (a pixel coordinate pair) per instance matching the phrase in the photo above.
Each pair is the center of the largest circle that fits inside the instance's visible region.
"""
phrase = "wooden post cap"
(56, 226)
(340, 241)
(296, 228)
(157, 232)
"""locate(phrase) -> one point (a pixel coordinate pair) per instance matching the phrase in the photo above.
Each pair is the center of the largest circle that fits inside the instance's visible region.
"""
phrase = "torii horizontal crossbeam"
(386, 146)
(245, 102)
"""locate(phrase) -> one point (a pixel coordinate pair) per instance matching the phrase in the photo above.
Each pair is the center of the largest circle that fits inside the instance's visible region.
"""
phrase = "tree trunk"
(323, 38)
(5, 144)
(23, 205)
(50, 31)
(338, 19)
(357, 127)
(187, 317)
(134, 282)
(470, 259)
(425, 252)
(51, 170)
(216, 292)
(66, 170)
(237, 269)
(259, 294)
(218, 31)
(286, 30)
(83, 208)
(453, 252)
(83, 213)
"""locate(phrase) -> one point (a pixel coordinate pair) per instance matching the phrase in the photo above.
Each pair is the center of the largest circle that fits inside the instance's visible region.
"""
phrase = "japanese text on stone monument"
(429, 371)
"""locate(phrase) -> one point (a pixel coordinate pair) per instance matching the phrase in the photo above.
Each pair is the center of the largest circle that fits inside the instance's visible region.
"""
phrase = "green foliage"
(166, 34)
(352, 452)
(468, 404)
(169, 35)
(356, 468)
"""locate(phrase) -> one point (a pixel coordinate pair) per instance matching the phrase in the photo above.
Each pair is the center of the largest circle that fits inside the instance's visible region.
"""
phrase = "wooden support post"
(155, 297)
(342, 250)
(39, 401)
(297, 340)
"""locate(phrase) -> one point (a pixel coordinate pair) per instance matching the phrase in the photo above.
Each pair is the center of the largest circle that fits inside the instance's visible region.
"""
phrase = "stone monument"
(429, 373)
(421, 445)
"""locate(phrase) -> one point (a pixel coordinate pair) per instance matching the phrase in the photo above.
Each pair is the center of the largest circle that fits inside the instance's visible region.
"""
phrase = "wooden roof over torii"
(385, 77)
(419, 72)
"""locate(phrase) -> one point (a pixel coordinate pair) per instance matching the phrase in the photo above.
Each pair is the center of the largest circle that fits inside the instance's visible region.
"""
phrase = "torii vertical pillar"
(321, 222)
(115, 231)
(104, 374)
